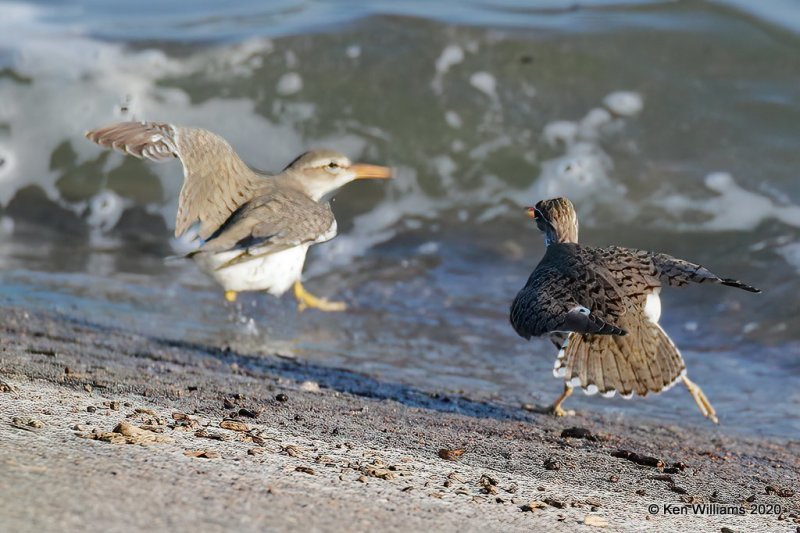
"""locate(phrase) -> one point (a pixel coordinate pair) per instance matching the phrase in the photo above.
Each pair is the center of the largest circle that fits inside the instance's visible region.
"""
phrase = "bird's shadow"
(354, 383)
(329, 377)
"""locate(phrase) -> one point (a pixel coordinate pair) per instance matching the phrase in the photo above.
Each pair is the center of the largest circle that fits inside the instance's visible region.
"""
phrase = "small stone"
(87, 387)
(578, 433)
(641, 492)
(558, 504)
(532, 506)
(596, 521)
(255, 451)
(25, 423)
(309, 386)
(91, 409)
(551, 464)
(114, 406)
(643, 460)
(451, 455)
(726, 530)
(233, 425)
(227, 404)
(305, 470)
(489, 484)
(282, 398)
(613, 478)
(206, 434)
(594, 502)
(751, 499)
(205, 454)
(377, 472)
(248, 413)
(292, 450)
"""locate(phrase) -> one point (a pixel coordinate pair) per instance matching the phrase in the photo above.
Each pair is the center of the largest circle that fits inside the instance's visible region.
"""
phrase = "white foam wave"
(485, 83)
(450, 56)
(95, 80)
(289, 83)
(732, 208)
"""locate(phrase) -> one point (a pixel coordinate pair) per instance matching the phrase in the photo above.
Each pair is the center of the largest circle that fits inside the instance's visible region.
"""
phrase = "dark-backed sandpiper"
(605, 302)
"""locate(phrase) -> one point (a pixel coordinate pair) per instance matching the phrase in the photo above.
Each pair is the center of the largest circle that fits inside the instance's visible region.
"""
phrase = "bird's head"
(321, 172)
(557, 219)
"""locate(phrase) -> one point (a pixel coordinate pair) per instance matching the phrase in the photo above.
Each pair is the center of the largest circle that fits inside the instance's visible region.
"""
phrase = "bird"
(601, 308)
(254, 228)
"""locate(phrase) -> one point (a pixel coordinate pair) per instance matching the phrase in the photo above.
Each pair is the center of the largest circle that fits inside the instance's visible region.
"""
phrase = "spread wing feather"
(216, 181)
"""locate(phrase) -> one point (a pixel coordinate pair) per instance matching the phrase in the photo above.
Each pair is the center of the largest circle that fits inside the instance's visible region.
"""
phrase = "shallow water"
(672, 126)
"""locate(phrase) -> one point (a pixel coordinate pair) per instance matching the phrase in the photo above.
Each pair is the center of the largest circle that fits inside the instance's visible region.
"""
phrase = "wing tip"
(730, 282)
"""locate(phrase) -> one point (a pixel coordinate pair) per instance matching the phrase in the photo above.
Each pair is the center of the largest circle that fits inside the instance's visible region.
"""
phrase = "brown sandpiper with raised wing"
(255, 228)
(605, 302)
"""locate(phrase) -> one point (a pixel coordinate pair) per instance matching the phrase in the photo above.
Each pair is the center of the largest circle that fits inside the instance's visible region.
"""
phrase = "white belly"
(652, 307)
(274, 273)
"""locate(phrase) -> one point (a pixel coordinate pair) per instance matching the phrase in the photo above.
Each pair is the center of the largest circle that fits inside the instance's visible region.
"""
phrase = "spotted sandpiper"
(606, 301)
(255, 229)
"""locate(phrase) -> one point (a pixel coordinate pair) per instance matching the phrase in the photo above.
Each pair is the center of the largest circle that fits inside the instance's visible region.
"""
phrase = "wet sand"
(114, 430)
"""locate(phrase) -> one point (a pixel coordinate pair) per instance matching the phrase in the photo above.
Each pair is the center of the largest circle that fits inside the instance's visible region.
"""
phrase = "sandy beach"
(109, 430)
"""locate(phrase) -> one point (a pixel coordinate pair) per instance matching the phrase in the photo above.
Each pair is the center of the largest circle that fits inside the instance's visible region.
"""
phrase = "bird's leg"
(556, 409)
(701, 400)
(305, 300)
(230, 296)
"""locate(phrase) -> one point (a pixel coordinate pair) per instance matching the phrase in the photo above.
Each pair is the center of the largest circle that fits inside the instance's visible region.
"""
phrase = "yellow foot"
(230, 296)
(556, 409)
(701, 400)
(307, 300)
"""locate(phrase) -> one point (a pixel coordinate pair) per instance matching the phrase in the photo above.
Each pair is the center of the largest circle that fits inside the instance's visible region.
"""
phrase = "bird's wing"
(638, 272)
(216, 181)
(567, 298)
(271, 223)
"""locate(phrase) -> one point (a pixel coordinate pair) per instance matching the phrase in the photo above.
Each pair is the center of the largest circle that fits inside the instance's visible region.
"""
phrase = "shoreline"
(103, 428)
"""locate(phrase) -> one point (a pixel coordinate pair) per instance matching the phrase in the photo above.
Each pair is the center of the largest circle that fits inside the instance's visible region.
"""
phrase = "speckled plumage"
(606, 299)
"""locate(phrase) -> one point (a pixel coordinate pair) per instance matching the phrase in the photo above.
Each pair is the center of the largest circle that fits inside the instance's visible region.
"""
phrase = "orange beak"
(364, 171)
(531, 211)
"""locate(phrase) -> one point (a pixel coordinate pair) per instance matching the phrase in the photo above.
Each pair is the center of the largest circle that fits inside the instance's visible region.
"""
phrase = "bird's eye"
(333, 168)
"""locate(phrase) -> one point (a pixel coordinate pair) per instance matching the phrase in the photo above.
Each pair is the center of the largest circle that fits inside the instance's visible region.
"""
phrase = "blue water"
(482, 107)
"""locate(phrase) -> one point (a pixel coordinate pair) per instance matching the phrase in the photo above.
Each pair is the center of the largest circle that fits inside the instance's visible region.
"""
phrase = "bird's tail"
(646, 360)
